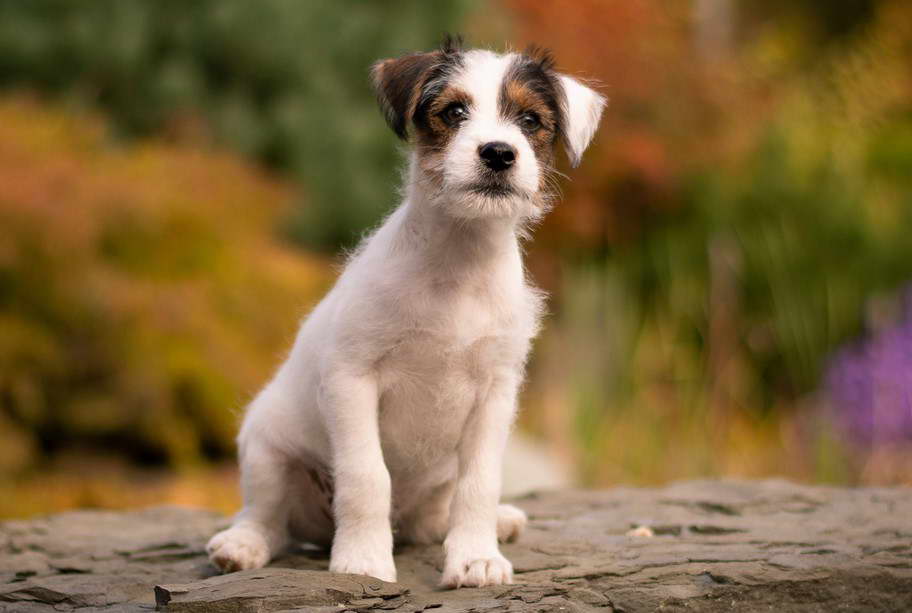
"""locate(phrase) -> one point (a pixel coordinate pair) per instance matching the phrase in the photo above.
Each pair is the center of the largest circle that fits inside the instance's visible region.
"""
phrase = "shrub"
(143, 295)
(285, 82)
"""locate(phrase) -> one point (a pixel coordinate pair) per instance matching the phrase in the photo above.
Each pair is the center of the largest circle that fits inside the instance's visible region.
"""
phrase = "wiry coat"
(392, 410)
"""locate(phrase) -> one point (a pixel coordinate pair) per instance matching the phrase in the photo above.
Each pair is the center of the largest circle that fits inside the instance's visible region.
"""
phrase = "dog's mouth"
(493, 187)
(493, 190)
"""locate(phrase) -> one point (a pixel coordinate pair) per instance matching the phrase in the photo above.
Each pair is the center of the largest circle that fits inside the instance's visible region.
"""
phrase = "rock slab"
(695, 546)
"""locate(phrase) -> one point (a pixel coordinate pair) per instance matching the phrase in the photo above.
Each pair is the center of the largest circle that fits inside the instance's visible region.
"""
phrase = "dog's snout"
(497, 155)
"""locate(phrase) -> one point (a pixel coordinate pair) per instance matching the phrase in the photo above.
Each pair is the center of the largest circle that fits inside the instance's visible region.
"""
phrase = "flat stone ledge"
(695, 546)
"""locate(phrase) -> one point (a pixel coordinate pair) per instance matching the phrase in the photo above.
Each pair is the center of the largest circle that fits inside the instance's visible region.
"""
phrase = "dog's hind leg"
(260, 530)
(511, 521)
(311, 495)
(429, 520)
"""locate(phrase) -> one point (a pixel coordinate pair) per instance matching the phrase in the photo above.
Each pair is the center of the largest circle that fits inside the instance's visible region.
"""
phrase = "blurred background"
(730, 269)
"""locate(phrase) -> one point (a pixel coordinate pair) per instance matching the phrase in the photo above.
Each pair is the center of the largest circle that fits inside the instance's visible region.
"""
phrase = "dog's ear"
(581, 110)
(398, 84)
(398, 81)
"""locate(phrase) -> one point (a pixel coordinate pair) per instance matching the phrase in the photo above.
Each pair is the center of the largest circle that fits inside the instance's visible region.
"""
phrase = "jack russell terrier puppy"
(390, 416)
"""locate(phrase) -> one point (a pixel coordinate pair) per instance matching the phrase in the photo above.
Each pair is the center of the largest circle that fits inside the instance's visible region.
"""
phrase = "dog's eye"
(529, 121)
(455, 113)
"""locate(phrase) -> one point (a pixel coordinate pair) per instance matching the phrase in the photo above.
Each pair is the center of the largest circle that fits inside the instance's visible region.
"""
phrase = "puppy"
(391, 413)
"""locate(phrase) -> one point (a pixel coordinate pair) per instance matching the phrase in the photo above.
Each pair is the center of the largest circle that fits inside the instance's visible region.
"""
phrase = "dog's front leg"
(472, 555)
(363, 540)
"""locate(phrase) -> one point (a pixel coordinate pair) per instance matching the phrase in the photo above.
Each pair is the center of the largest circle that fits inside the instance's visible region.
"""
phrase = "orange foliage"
(666, 111)
(143, 294)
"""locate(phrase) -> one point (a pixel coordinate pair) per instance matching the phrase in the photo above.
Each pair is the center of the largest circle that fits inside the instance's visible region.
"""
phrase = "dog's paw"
(471, 571)
(373, 564)
(238, 548)
(511, 521)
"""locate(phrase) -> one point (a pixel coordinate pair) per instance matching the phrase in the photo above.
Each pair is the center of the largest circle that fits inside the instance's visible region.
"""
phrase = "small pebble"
(641, 531)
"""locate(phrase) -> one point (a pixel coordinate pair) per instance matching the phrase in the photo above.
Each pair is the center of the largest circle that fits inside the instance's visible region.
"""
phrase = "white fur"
(401, 385)
(583, 110)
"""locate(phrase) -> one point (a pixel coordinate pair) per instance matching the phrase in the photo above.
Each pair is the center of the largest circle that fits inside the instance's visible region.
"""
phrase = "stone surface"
(695, 546)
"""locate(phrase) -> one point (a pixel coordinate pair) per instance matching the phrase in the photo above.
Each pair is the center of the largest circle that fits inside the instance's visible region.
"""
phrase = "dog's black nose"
(497, 156)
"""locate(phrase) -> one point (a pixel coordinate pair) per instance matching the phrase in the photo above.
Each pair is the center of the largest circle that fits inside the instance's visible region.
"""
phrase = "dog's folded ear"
(398, 84)
(399, 81)
(582, 110)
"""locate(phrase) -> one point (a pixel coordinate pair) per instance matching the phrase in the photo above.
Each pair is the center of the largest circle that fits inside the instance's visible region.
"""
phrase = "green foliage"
(283, 81)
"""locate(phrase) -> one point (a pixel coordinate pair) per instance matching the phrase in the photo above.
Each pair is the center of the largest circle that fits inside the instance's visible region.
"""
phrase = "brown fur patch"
(404, 83)
(530, 86)
(433, 133)
(398, 84)
(517, 99)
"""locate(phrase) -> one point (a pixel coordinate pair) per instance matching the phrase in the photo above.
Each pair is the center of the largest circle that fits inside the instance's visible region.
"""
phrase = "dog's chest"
(459, 341)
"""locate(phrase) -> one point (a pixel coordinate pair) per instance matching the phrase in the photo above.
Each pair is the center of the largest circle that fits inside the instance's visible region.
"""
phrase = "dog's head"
(484, 124)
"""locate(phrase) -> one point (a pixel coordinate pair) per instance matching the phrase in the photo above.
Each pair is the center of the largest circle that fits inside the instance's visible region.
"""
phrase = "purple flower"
(869, 385)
